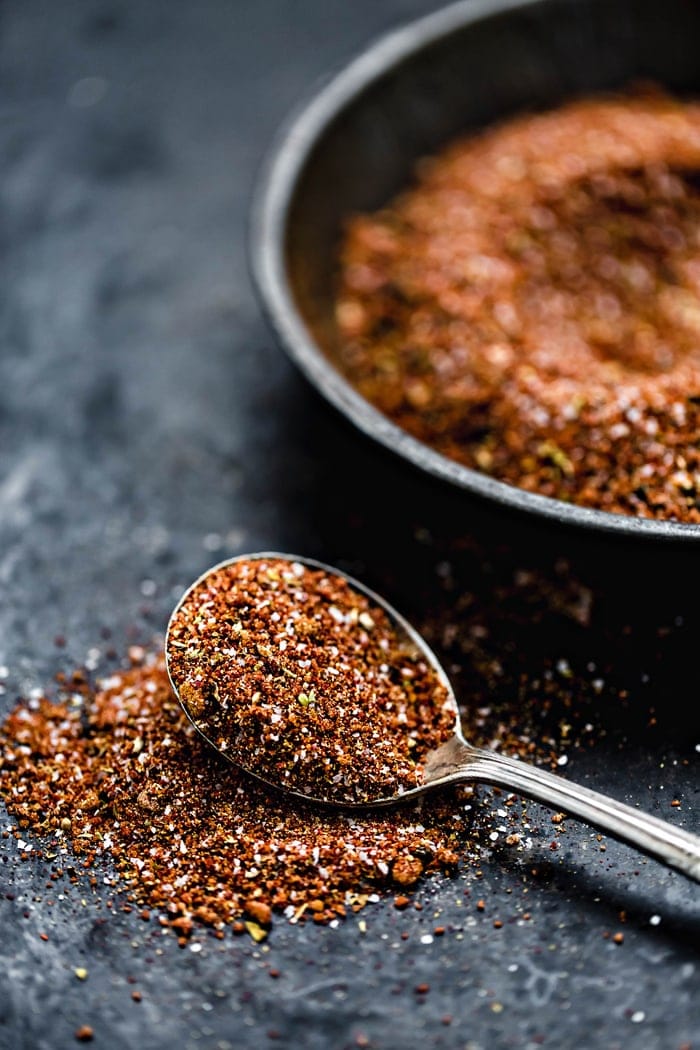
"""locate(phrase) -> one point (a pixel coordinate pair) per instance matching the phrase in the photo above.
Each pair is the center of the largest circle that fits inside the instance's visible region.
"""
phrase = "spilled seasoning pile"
(119, 775)
(301, 679)
(531, 308)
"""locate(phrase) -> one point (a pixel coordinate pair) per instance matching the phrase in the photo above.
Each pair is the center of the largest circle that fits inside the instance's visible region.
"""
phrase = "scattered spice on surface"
(301, 679)
(184, 830)
(531, 308)
(174, 831)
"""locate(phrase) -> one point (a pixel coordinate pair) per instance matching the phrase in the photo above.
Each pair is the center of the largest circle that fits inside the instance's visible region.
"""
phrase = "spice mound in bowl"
(531, 306)
(298, 677)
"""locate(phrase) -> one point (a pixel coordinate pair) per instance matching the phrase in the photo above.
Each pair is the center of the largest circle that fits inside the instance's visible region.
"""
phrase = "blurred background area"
(150, 426)
(145, 413)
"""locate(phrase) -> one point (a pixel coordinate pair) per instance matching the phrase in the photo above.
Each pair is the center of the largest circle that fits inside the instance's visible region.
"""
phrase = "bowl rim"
(273, 194)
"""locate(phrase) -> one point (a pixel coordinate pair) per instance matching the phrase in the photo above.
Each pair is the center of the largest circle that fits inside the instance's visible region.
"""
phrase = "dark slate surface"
(148, 427)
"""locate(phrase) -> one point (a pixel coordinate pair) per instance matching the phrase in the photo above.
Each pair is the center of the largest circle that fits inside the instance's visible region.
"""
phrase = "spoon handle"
(672, 845)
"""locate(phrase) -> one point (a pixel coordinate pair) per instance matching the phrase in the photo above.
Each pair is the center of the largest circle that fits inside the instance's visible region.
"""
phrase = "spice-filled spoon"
(307, 679)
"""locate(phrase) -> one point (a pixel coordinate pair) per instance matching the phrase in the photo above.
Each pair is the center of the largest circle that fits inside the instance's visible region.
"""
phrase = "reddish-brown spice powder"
(531, 307)
(302, 680)
(116, 776)
(119, 775)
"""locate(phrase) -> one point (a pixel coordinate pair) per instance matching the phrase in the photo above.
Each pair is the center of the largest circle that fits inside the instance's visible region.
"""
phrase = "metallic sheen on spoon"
(454, 761)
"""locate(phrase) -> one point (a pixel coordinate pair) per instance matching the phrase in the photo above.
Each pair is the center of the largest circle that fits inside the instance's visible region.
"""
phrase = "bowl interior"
(524, 58)
(359, 139)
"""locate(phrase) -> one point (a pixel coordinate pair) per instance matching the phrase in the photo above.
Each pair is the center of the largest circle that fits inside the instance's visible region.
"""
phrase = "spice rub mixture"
(531, 307)
(119, 775)
(302, 680)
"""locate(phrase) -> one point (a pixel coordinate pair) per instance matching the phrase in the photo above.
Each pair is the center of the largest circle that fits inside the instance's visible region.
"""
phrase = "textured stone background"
(148, 427)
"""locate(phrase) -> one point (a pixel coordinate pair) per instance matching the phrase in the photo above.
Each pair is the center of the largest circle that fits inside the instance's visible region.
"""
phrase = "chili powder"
(531, 307)
(122, 777)
(114, 774)
(301, 679)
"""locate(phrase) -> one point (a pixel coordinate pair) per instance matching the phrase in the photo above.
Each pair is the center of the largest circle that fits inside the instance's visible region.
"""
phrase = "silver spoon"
(458, 762)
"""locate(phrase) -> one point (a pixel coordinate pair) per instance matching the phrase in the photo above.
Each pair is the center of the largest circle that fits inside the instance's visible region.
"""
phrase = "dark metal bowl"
(356, 141)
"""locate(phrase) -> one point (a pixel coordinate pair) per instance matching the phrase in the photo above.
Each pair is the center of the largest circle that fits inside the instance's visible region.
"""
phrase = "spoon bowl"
(411, 641)
(452, 761)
